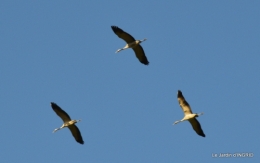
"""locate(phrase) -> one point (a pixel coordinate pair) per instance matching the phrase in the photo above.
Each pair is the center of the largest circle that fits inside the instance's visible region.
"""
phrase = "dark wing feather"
(76, 133)
(61, 113)
(196, 127)
(183, 103)
(123, 35)
(139, 53)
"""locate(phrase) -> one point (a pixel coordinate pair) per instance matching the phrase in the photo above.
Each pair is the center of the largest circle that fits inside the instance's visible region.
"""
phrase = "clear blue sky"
(64, 52)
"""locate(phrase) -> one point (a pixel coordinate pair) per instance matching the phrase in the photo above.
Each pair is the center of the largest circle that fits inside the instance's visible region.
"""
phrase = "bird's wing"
(123, 35)
(139, 53)
(76, 133)
(61, 113)
(196, 127)
(183, 103)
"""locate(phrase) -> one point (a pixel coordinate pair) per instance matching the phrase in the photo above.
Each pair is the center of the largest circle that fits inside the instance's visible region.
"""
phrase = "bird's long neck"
(59, 128)
(56, 129)
(119, 50)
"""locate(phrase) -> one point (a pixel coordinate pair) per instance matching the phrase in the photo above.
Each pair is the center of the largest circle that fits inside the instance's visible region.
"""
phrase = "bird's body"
(131, 43)
(67, 122)
(188, 115)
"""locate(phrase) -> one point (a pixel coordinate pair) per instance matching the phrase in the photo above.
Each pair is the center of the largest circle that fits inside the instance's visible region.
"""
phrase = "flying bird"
(71, 124)
(131, 43)
(188, 115)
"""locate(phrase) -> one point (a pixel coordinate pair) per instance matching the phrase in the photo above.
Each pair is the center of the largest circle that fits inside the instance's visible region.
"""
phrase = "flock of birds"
(139, 52)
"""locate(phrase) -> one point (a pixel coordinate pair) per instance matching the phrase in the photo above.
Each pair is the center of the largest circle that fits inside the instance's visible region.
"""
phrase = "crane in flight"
(188, 115)
(67, 122)
(131, 43)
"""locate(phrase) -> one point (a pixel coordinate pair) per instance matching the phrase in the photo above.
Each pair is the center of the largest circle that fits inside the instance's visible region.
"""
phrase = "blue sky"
(64, 52)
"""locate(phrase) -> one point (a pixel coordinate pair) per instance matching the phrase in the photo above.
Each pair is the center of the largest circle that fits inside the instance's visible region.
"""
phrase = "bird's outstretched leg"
(200, 114)
(143, 40)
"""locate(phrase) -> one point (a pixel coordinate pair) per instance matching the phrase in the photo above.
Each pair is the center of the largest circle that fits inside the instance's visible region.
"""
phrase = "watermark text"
(233, 155)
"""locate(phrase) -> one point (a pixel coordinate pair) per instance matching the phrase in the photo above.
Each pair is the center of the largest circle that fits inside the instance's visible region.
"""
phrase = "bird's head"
(55, 130)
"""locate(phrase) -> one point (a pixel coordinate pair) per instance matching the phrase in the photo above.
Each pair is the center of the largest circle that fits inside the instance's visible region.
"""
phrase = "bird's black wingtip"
(179, 94)
(146, 63)
(203, 135)
(81, 142)
(53, 103)
(114, 28)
